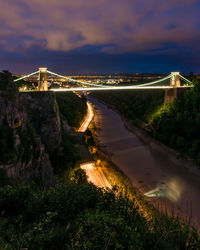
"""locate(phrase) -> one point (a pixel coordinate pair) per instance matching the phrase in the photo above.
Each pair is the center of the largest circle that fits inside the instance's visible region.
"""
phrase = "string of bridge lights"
(93, 86)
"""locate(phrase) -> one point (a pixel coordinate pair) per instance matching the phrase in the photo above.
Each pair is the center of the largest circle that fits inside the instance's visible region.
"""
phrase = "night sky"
(102, 36)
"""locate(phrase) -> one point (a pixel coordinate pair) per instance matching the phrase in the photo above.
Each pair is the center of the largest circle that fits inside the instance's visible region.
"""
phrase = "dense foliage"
(133, 104)
(177, 124)
(66, 156)
(72, 108)
(80, 216)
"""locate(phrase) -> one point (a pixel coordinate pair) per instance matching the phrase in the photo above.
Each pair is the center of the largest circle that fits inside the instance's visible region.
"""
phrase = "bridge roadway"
(167, 182)
(110, 88)
(82, 89)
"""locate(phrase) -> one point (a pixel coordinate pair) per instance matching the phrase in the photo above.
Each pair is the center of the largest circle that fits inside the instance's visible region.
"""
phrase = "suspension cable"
(102, 85)
(21, 78)
(106, 86)
(73, 80)
(154, 82)
(185, 79)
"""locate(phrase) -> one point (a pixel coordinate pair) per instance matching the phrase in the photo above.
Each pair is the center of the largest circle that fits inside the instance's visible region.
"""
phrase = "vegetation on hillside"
(137, 104)
(72, 108)
(80, 216)
(65, 157)
(177, 124)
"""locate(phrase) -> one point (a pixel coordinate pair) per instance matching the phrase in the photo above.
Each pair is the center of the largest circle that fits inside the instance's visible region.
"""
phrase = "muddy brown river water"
(165, 181)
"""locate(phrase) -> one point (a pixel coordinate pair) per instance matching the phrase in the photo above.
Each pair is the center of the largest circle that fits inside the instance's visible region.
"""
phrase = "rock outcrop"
(29, 128)
(43, 114)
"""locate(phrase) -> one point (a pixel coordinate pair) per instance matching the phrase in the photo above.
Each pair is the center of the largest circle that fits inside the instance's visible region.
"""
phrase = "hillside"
(36, 140)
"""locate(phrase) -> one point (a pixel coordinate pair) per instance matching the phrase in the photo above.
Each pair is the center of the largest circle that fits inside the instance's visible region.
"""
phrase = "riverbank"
(150, 168)
(175, 156)
(141, 132)
(176, 125)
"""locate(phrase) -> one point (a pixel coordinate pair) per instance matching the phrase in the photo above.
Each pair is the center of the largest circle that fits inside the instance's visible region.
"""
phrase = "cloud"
(116, 26)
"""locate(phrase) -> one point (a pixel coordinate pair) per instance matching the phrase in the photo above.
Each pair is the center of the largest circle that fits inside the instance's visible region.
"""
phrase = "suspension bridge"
(171, 89)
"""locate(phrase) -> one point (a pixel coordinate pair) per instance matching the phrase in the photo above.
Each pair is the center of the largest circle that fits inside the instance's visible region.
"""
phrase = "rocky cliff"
(29, 128)
(43, 114)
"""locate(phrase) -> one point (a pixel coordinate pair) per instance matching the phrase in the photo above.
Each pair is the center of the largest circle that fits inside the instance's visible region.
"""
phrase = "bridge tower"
(42, 83)
(171, 94)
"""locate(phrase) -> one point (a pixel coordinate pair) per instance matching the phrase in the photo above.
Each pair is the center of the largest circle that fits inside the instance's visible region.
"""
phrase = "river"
(154, 171)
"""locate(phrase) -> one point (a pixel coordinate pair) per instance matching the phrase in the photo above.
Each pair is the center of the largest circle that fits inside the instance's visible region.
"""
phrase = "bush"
(80, 216)
(180, 121)
(66, 156)
(4, 179)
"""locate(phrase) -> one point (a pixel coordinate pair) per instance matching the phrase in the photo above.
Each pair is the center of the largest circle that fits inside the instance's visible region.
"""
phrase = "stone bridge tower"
(171, 94)
(42, 83)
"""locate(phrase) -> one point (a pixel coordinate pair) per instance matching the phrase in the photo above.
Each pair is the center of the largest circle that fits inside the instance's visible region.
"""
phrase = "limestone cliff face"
(37, 167)
(29, 128)
(43, 114)
(11, 109)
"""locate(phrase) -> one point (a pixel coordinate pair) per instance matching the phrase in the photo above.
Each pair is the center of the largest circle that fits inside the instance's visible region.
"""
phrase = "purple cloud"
(110, 27)
(118, 26)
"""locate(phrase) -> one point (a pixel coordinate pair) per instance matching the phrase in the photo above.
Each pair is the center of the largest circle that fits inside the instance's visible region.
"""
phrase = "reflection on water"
(171, 190)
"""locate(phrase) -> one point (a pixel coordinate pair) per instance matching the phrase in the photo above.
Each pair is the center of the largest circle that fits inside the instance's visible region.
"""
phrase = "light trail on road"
(88, 118)
(95, 175)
